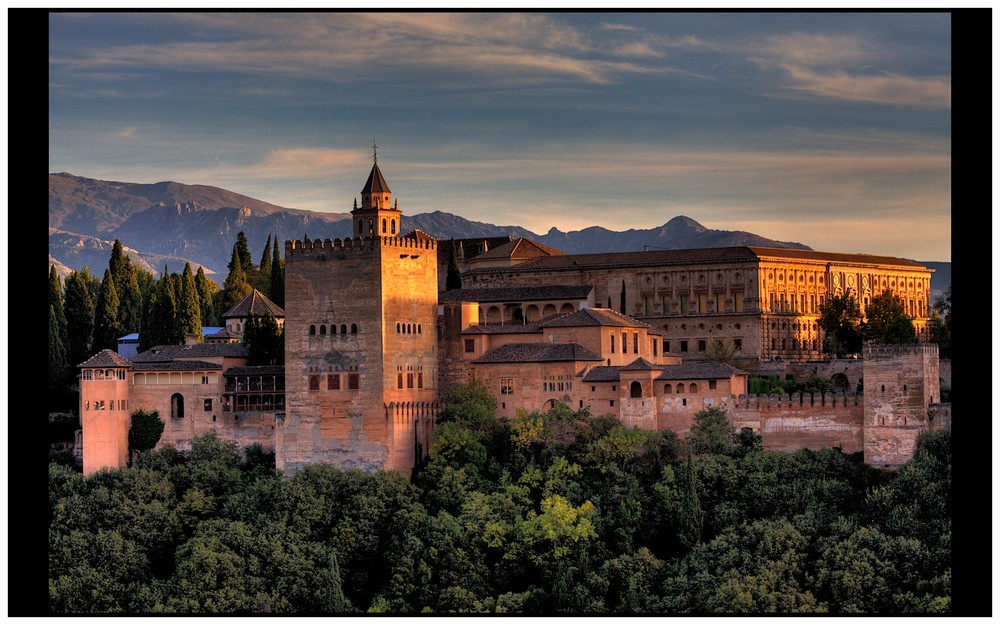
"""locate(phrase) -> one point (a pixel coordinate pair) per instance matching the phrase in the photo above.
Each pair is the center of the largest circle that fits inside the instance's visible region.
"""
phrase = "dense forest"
(548, 513)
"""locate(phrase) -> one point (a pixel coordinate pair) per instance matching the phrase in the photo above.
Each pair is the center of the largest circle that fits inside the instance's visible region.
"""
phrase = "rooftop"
(106, 358)
(594, 317)
(538, 352)
(165, 353)
(255, 303)
(519, 293)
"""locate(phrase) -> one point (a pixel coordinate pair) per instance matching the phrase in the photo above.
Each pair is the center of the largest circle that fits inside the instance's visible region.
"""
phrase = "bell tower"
(376, 217)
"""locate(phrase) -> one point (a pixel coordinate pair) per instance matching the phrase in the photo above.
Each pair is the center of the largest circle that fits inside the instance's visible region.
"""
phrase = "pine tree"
(189, 305)
(206, 289)
(106, 328)
(79, 317)
(277, 277)
(454, 279)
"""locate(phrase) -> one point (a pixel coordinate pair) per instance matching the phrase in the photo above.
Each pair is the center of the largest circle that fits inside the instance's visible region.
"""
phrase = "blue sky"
(830, 129)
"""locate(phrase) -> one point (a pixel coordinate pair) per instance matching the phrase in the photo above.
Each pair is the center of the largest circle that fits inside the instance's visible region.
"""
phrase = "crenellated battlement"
(873, 351)
(316, 248)
(795, 401)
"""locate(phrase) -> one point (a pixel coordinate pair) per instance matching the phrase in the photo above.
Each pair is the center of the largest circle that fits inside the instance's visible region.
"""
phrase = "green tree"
(56, 302)
(886, 321)
(241, 251)
(622, 298)
(58, 363)
(236, 286)
(472, 405)
(454, 278)
(941, 323)
(691, 517)
(106, 328)
(189, 305)
(206, 290)
(840, 320)
(711, 432)
(265, 339)
(79, 316)
(126, 279)
(263, 274)
(277, 277)
(144, 432)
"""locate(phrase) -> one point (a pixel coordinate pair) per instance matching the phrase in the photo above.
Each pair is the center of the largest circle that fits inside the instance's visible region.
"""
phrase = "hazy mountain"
(169, 223)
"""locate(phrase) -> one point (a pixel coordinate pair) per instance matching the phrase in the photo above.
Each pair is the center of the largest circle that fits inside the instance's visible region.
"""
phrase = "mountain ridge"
(169, 223)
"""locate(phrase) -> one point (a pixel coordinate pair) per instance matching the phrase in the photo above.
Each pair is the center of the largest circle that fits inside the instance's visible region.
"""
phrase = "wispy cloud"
(847, 67)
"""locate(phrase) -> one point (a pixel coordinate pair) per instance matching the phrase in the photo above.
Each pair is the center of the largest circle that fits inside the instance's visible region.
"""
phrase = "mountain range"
(166, 224)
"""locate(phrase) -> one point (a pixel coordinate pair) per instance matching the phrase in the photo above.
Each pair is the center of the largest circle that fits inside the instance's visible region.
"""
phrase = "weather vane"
(374, 151)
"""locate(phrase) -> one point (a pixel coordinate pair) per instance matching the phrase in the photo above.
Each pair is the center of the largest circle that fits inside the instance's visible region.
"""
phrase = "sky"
(828, 129)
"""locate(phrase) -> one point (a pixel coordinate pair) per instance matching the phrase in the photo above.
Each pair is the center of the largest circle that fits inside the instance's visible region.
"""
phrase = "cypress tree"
(277, 277)
(58, 363)
(623, 298)
(265, 260)
(166, 315)
(79, 317)
(242, 251)
(150, 335)
(236, 286)
(106, 328)
(206, 289)
(691, 516)
(189, 305)
(454, 279)
(56, 302)
(125, 276)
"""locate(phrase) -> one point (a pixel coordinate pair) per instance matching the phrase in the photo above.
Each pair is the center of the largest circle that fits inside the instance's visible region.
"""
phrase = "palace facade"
(373, 344)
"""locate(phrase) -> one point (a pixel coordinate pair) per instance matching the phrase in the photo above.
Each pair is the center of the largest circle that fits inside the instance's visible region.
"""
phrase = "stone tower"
(104, 411)
(901, 384)
(360, 343)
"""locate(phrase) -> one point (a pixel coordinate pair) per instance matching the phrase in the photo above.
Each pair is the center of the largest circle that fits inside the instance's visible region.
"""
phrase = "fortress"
(373, 344)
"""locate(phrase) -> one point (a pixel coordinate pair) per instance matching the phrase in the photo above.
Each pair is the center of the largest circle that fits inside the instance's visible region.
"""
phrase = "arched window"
(383, 225)
(566, 309)
(333, 328)
(354, 328)
(667, 389)
(693, 388)
(397, 328)
(392, 223)
(322, 329)
(343, 328)
(312, 330)
(680, 389)
(635, 389)
(419, 329)
(177, 406)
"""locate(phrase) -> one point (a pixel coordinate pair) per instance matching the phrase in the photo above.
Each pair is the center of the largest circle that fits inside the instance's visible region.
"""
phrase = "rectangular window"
(204, 379)
(647, 301)
(420, 379)
(711, 385)
(409, 380)
(738, 344)
(208, 405)
(702, 302)
(684, 346)
(399, 380)
(666, 347)
(635, 342)
(701, 345)
(560, 386)
(654, 346)
(720, 302)
(314, 383)
(624, 343)
(684, 303)
(352, 381)
(812, 303)
(612, 343)
(470, 346)
(88, 374)
(665, 302)
(593, 389)
(612, 403)
(738, 302)
(333, 382)
(506, 386)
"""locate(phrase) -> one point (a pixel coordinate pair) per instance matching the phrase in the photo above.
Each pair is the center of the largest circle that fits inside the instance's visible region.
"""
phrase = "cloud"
(846, 67)
(128, 132)
(515, 47)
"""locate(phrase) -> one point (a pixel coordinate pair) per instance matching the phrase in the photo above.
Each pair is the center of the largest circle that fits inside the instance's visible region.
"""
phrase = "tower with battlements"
(361, 354)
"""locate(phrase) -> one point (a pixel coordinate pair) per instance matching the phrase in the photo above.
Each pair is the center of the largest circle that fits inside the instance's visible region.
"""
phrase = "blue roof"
(205, 331)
